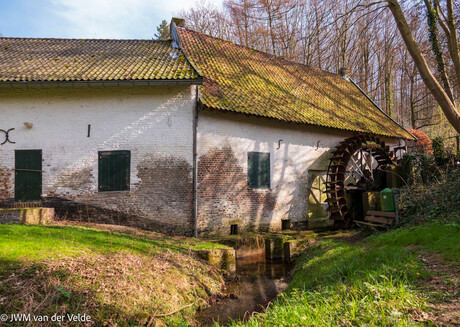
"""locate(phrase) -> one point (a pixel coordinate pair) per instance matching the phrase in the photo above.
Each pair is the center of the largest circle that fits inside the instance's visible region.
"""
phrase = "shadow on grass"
(32, 290)
(68, 288)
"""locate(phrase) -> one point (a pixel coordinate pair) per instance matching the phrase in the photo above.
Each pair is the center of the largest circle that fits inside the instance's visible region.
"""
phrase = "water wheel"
(358, 157)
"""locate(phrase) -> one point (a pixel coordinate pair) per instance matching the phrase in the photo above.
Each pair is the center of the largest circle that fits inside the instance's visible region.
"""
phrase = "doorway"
(28, 175)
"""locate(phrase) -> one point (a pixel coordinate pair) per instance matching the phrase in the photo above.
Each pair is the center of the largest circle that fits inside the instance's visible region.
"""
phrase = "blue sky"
(123, 19)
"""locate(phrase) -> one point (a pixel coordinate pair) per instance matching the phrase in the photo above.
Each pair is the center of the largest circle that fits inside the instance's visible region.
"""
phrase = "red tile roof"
(247, 81)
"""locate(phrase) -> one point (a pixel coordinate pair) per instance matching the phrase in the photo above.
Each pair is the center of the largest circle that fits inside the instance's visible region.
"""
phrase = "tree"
(206, 18)
(162, 31)
(361, 36)
(445, 102)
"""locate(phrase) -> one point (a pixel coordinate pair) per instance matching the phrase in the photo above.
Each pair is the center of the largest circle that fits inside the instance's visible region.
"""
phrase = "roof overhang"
(102, 83)
(204, 107)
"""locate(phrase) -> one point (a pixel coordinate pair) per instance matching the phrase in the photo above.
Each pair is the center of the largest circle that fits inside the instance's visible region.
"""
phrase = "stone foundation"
(28, 216)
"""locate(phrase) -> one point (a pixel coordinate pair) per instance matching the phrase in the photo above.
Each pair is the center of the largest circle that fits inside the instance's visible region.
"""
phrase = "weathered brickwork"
(6, 180)
(161, 199)
(10, 216)
(153, 123)
(70, 126)
(32, 216)
(224, 197)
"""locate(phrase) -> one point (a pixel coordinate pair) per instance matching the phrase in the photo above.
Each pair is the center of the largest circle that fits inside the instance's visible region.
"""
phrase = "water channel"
(256, 283)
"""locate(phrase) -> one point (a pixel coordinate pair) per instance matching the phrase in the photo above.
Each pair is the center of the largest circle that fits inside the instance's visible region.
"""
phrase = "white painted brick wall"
(152, 122)
(155, 124)
(302, 149)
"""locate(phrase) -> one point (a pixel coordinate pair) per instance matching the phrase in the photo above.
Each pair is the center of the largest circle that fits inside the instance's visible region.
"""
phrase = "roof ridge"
(78, 39)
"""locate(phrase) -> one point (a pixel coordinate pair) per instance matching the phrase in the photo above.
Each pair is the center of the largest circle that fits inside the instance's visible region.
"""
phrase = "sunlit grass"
(374, 283)
(41, 242)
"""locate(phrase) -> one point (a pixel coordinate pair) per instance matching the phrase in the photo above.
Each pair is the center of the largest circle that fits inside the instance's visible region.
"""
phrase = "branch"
(173, 312)
(448, 107)
(442, 22)
(426, 125)
(433, 18)
(452, 40)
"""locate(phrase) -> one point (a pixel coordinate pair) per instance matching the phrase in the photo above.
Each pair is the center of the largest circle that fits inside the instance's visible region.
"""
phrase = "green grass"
(117, 277)
(374, 283)
(42, 242)
(431, 237)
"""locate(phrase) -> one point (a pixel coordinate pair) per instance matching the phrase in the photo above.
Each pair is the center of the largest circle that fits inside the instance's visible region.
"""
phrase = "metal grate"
(233, 229)
(35, 204)
(285, 224)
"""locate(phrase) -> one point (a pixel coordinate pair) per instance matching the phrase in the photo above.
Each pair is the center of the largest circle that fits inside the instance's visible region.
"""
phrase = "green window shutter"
(258, 170)
(114, 170)
(264, 170)
(28, 176)
(252, 170)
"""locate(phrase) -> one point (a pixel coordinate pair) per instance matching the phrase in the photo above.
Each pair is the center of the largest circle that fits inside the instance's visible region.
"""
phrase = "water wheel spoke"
(359, 155)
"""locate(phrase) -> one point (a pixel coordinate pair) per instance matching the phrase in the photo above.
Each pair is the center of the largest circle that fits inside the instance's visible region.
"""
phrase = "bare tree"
(204, 17)
(404, 77)
(447, 105)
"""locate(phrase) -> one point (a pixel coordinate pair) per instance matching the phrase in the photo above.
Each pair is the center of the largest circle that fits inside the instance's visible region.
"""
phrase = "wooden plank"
(382, 220)
(370, 224)
(391, 214)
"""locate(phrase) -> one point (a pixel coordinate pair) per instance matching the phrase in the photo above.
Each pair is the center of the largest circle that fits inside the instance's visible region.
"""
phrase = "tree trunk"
(435, 46)
(447, 106)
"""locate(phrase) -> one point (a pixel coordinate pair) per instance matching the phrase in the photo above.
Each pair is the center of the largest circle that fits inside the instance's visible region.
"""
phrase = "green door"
(28, 177)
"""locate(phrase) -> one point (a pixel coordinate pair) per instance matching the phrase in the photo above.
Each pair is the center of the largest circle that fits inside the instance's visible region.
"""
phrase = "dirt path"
(444, 288)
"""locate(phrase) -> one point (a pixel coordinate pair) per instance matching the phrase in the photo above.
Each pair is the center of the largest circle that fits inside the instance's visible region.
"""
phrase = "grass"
(41, 242)
(372, 283)
(118, 277)
(431, 237)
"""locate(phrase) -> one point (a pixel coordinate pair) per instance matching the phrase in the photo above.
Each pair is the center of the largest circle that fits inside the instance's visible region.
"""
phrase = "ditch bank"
(262, 268)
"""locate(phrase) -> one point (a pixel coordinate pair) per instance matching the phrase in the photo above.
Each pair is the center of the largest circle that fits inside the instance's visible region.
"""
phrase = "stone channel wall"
(33, 216)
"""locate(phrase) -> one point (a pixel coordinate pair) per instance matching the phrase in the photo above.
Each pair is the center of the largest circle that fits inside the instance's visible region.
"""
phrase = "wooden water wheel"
(372, 154)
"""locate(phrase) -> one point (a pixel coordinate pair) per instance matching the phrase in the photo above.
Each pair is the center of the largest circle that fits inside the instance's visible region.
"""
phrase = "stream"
(256, 283)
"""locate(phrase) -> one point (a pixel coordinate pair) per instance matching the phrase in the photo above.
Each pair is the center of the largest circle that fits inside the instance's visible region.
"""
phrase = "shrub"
(439, 200)
(438, 147)
(418, 168)
(424, 144)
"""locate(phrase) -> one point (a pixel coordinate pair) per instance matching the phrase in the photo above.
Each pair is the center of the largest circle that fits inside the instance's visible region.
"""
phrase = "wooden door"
(28, 176)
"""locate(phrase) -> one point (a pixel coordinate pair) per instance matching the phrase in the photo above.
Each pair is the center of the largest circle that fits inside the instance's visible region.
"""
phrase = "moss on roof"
(31, 59)
(242, 80)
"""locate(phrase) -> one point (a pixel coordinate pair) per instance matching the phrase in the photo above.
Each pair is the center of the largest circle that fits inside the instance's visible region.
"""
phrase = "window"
(258, 170)
(114, 169)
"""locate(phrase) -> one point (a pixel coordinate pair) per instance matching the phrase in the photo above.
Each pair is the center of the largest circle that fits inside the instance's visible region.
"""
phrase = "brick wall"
(6, 180)
(154, 123)
(10, 216)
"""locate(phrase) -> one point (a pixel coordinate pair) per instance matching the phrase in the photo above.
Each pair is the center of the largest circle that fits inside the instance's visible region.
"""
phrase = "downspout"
(176, 39)
(195, 166)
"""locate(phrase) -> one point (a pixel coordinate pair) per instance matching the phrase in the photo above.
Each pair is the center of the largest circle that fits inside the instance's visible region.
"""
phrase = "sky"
(112, 19)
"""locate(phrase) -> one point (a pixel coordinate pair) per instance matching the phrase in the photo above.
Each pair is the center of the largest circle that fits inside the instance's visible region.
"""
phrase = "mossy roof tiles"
(52, 60)
(243, 80)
